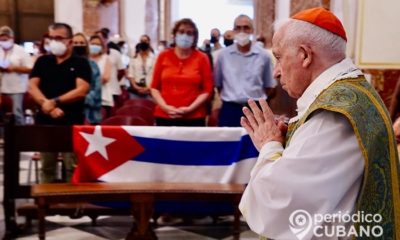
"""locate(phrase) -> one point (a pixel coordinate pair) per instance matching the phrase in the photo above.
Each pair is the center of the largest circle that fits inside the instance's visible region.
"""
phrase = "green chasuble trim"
(367, 114)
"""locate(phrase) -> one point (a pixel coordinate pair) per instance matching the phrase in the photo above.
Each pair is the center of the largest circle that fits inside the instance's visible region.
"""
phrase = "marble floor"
(116, 227)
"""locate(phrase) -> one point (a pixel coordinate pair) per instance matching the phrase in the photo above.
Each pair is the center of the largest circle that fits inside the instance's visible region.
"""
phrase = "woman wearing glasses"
(182, 80)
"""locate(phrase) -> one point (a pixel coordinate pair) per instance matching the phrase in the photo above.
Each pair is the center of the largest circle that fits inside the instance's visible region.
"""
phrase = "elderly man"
(338, 159)
(242, 70)
(15, 65)
(59, 83)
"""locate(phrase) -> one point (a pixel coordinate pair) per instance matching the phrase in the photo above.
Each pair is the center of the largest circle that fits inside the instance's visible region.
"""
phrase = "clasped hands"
(262, 125)
(176, 112)
(49, 107)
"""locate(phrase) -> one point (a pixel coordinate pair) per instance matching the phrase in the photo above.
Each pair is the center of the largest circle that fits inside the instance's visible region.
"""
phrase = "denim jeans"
(17, 108)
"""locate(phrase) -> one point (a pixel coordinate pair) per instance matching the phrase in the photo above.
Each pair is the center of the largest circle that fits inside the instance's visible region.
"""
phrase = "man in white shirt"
(15, 65)
(338, 158)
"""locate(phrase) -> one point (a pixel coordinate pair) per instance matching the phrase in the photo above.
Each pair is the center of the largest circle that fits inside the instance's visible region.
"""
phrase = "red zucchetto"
(322, 18)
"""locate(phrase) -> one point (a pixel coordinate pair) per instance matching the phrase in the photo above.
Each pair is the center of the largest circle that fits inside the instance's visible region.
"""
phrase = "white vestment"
(319, 172)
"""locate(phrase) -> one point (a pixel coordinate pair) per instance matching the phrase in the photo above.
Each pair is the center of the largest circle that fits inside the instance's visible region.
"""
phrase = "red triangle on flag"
(95, 158)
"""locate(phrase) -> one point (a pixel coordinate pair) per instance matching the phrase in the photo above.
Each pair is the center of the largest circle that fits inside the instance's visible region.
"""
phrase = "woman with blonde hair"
(97, 49)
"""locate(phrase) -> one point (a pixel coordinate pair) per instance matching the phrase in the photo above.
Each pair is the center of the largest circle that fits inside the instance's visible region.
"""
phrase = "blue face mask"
(94, 49)
(184, 41)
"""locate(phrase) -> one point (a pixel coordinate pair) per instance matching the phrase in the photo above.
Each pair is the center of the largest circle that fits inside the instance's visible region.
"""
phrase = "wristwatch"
(57, 101)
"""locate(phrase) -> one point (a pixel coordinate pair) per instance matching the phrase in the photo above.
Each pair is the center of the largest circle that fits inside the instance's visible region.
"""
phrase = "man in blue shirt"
(242, 71)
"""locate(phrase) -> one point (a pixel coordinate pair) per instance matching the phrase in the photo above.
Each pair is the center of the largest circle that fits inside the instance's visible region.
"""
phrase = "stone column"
(152, 20)
(99, 14)
(264, 17)
(299, 5)
(165, 24)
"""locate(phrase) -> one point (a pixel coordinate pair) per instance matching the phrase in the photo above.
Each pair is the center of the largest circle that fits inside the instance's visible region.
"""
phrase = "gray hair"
(298, 31)
(244, 16)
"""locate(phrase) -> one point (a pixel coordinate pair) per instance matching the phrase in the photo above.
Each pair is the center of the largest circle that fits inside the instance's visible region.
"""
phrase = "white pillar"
(133, 14)
(282, 12)
(70, 12)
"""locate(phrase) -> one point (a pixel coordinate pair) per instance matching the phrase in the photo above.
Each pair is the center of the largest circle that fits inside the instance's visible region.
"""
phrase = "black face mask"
(143, 46)
(213, 39)
(80, 51)
(228, 42)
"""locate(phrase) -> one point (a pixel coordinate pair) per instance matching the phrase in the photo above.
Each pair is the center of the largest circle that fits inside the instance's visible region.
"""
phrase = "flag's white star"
(97, 143)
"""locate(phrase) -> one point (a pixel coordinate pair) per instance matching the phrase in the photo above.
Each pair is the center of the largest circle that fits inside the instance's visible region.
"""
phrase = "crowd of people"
(184, 80)
(78, 79)
(337, 155)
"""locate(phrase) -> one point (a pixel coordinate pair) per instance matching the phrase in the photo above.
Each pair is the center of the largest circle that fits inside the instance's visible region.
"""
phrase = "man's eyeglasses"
(244, 27)
(58, 38)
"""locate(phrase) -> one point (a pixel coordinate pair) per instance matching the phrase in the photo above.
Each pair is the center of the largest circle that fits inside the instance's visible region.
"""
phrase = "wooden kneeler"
(141, 195)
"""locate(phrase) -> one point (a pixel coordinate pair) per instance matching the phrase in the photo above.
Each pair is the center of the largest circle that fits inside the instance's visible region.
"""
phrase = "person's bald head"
(229, 34)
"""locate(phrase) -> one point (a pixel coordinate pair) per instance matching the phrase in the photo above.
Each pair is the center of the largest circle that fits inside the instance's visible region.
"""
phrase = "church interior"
(372, 44)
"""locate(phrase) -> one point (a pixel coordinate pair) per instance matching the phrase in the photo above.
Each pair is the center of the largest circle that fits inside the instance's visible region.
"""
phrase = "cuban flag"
(162, 154)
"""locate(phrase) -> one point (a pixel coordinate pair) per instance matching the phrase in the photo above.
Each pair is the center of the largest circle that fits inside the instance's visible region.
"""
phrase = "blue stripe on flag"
(195, 153)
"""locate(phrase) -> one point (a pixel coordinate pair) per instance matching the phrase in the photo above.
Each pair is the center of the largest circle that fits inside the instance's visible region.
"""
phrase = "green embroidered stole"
(362, 106)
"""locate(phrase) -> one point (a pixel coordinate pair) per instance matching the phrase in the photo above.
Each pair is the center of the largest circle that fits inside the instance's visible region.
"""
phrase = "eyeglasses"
(58, 38)
(189, 33)
(244, 27)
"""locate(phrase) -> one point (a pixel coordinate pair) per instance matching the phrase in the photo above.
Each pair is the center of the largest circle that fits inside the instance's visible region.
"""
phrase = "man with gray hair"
(242, 71)
(15, 65)
(336, 158)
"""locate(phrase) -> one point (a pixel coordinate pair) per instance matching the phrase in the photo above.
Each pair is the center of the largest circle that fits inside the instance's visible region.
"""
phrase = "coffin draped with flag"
(162, 154)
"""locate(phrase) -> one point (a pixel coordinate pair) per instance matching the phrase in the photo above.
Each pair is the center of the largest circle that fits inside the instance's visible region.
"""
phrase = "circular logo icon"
(300, 223)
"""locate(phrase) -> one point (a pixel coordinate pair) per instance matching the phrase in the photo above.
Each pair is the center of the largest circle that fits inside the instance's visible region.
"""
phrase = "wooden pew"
(19, 139)
(141, 195)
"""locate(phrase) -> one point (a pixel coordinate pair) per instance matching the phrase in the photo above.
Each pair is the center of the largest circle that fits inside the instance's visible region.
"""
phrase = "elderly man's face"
(243, 24)
(289, 68)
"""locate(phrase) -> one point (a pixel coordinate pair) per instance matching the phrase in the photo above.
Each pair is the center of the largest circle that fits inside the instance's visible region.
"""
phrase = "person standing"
(59, 83)
(92, 108)
(182, 80)
(242, 70)
(117, 71)
(15, 65)
(97, 49)
(141, 69)
(336, 158)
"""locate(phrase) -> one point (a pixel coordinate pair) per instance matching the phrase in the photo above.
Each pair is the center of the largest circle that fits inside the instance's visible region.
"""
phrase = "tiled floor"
(116, 227)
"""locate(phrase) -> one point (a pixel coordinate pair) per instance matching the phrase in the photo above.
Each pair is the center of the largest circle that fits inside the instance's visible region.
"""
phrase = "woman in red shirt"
(182, 80)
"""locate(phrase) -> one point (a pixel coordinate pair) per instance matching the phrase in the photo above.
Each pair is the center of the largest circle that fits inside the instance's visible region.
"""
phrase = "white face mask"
(6, 44)
(184, 41)
(57, 48)
(242, 38)
(95, 49)
(47, 48)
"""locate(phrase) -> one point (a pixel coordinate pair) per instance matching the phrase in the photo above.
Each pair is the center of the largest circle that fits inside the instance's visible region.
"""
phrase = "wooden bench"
(141, 196)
